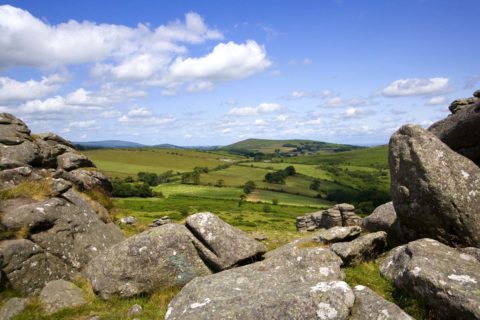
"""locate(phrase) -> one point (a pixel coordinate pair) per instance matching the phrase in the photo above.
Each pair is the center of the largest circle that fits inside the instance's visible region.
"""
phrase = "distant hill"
(293, 146)
(108, 144)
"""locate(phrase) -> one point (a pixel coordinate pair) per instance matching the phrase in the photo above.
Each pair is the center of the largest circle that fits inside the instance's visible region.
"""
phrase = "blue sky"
(215, 72)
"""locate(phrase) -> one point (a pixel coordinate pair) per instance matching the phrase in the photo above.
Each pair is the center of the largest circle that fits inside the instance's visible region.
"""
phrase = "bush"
(267, 208)
(249, 187)
(315, 184)
(290, 171)
(123, 190)
(275, 202)
(184, 211)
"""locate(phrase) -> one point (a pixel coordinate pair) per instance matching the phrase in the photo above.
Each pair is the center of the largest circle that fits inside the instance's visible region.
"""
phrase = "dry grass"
(22, 233)
(36, 190)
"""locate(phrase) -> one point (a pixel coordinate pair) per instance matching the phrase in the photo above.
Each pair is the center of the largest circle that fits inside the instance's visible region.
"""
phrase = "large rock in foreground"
(461, 131)
(225, 245)
(435, 191)
(161, 257)
(448, 280)
(299, 284)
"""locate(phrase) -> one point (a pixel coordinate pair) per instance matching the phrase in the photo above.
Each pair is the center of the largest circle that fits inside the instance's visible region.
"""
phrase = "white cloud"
(12, 90)
(334, 102)
(307, 61)
(416, 87)
(82, 124)
(50, 105)
(262, 108)
(144, 117)
(259, 122)
(227, 61)
(139, 112)
(282, 117)
(438, 100)
(28, 41)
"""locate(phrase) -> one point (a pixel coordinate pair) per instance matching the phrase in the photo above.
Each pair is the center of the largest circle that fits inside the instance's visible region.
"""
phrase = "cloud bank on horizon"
(187, 81)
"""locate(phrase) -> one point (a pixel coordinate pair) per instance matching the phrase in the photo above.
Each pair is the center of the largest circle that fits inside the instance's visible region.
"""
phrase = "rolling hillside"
(286, 146)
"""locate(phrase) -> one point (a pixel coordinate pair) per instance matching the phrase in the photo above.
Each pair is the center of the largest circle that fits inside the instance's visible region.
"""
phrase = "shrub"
(275, 202)
(249, 187)
(267, 208)
(184, 211)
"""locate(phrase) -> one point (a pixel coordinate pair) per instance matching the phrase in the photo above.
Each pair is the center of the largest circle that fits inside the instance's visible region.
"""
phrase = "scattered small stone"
(129, 220)
(12, 307)
(259, 236)
(160, 222)
(135, 310)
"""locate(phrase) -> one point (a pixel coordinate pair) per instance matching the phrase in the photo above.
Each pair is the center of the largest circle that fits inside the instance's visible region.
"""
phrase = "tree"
(315, 184)
(220, 183)
(190, 178)
(249, 187)
(290, 171)
(277, 177)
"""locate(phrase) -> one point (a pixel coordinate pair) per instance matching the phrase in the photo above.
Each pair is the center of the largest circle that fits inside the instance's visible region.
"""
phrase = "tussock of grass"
(22, 233)
(37, 190)
(154, 306)
(368, 274)
(101, 197)
(310, 244)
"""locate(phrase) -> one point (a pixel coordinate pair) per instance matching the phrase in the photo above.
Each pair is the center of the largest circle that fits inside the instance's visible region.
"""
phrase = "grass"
(37, 190)
(234, 176)
(249, 216)
(199, 191)
(154, 306)
(128, 162)
(305, 169)
(368, 274)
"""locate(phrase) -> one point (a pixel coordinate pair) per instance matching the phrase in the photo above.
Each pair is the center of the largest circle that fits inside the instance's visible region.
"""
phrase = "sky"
(216, 72)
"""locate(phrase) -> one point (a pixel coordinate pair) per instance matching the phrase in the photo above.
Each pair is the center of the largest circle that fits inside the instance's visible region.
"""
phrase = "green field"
(128, 162)
(271, 146)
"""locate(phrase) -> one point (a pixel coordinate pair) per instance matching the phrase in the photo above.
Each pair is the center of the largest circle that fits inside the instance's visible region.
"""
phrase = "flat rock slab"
(60, 294)
(446, 279)
(369, 305)
(300, 284)
(226, 245)
(12, 307)
(161, 257)
(435, 191)
(336, 234)
(365, 248)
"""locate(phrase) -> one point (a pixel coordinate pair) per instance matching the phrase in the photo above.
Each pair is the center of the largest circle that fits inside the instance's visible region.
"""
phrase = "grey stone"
(12, 307)
(443, 277)
(9, 178)
(225, 245)
(474, 252)
(384, 218)
(336, 234)
(161, 257)
(344, 207)
(66, 227)
(297, 244)
(300, 284)
(73, 160)
(28, 267)
(60, 294)
(19, 155)
(369, 305)
(129, 220)
(86, 179)
(461, 131)
(364, 248)
(435, 191)
(460, 104)
(135, 310)
(330, 218)
(13, 131)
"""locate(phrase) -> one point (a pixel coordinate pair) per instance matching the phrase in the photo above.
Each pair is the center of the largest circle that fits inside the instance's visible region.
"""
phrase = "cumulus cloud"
(416, 87)
(82, 124)
(227, 61)
(12, 90)
(438, 100)
(28, 41)
(143, 54)
(262, 108)
(141, 116)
